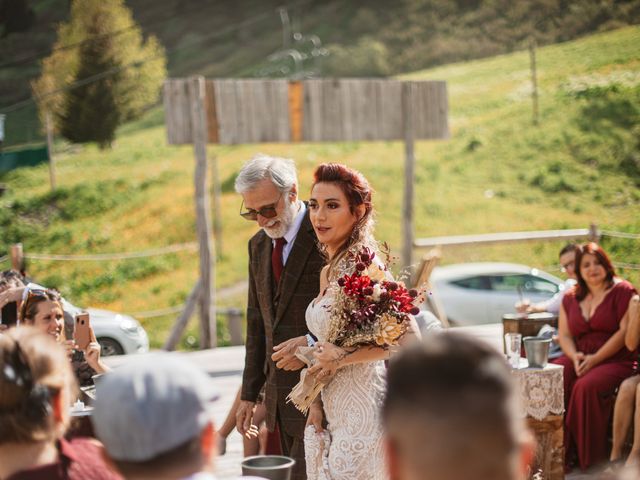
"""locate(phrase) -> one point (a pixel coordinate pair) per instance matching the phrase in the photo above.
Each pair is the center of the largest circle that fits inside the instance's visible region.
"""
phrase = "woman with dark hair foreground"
(592, 325)
(36, 389)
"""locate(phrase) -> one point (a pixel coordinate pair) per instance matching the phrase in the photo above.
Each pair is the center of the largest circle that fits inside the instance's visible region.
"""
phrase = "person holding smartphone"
(42, 308)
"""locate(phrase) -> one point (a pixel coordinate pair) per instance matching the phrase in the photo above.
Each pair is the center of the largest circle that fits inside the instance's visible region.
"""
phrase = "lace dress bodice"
(353, 447)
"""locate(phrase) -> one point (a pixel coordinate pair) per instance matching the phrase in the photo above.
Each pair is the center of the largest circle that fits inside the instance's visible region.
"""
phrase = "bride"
(351, 445)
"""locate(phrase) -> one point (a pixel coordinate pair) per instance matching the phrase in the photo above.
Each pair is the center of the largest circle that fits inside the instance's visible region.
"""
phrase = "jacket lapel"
(304, 244)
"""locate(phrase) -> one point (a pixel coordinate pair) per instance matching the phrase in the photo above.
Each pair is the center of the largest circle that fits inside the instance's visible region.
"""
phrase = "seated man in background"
(568, 266)
(153, 417)
(450, 413)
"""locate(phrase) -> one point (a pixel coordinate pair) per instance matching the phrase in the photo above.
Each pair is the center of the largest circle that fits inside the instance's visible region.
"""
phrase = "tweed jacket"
(275, 314)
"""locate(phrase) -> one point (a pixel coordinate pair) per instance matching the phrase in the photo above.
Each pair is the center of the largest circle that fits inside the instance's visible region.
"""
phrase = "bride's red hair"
(352, 183)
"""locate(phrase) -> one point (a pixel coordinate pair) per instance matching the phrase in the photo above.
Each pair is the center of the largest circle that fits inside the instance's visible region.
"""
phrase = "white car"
(478, 293)
(116, 333)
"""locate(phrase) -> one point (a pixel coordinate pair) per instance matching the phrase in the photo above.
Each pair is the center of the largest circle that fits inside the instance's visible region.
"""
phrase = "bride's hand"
(315, 417)
(328, 358)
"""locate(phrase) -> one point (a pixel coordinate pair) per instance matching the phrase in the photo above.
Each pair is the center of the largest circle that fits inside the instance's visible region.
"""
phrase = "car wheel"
(110, 347)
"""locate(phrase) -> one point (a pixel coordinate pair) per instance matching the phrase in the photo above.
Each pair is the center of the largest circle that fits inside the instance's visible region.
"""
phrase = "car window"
(528, 283)
(480, 282)
(507, 282)
(539, 285)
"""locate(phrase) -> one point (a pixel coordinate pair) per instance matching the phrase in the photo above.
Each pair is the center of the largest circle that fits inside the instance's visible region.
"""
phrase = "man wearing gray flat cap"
(153, 417)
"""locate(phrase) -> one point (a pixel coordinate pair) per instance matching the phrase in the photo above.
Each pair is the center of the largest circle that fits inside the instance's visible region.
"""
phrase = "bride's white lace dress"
(351, 447)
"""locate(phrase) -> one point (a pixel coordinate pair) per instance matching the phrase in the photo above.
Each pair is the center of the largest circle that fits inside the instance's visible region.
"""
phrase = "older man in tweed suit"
(284, 272)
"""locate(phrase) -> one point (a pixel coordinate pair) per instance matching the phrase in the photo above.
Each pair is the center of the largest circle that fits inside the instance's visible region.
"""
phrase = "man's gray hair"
(281, 172)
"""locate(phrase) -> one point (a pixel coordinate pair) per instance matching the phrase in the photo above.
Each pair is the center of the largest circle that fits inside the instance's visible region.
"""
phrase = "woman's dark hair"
(11, 279)
(33, 369)
(596, 250)
(358, 192)
(569, 247)
(29, 307)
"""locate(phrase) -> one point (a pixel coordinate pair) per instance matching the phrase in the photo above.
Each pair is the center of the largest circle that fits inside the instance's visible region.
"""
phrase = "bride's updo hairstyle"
(358, 192)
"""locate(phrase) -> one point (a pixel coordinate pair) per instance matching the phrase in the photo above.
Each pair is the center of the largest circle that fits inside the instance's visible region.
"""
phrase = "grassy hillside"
(497, 173)
(363, 37)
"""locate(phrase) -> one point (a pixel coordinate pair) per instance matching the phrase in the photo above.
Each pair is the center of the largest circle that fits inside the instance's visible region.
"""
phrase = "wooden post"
(534, 79)
(234, 323)
(17, 257)
(52, 165)
(208, 337)
(594, 234)
(217, 209)
(183, 319)
(409, 167)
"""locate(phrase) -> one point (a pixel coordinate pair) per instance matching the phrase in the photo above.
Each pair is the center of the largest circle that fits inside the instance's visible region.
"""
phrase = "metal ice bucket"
(537, 350)
(273, 467)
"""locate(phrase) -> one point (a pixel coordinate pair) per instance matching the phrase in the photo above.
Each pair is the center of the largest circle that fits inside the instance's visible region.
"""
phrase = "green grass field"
(498, 172)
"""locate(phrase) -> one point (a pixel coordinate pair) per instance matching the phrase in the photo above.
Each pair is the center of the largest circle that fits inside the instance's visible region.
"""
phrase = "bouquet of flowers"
(368, 309)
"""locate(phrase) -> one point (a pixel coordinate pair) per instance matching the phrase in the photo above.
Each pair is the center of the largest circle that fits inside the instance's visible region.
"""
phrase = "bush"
(368, 58)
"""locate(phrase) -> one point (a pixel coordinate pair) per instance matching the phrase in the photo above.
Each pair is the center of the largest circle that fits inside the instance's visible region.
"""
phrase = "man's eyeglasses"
(266, 212)
(567, 265)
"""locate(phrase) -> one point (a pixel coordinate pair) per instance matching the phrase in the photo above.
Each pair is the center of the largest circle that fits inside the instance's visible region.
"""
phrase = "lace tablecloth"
(541, 390)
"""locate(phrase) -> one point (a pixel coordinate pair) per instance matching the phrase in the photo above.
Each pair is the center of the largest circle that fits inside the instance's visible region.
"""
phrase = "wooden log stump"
(549, 459)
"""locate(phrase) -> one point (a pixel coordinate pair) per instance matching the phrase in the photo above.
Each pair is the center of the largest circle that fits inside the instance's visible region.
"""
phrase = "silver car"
(116, 333)
(478, 293)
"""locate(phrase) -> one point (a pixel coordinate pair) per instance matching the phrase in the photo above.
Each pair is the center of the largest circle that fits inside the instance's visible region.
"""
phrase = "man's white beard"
(285, 219)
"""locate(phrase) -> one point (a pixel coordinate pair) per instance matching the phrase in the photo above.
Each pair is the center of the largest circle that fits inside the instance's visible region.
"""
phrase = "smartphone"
(82, 331)
(9, 314)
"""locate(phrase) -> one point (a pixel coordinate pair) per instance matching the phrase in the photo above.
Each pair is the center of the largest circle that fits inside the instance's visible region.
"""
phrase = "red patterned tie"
(276, 259)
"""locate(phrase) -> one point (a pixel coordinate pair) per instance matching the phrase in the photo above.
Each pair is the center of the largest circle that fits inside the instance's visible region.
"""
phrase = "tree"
(16, 16)
(90, 111)
(107, 77)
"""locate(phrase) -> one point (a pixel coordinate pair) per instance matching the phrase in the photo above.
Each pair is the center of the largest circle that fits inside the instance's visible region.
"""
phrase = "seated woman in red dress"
(591, 328)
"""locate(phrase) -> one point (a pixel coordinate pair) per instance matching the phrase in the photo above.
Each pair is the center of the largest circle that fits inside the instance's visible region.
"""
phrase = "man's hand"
(284, 354)
(11, 295)
(244, 416)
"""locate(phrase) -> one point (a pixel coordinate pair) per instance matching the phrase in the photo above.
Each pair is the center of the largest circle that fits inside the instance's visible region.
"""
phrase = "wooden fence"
(592, 234)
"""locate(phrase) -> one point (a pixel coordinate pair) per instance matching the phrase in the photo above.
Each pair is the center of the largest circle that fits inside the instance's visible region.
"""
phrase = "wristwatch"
(310, 340)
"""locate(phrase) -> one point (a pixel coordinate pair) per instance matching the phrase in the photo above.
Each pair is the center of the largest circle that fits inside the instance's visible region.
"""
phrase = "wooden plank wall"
(327, 110)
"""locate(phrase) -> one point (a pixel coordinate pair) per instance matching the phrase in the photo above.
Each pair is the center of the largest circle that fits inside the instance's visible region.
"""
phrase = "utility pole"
(409, 168)
(286, 27)
(534, 79)
(52, 164)
(207, 297)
